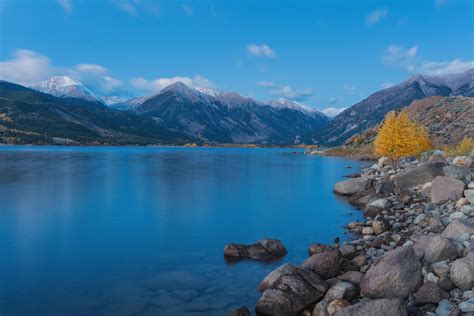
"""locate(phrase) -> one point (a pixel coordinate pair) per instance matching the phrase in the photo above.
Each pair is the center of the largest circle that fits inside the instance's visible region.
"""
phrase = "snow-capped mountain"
(284, 103)
(226, 117)
(65, 87)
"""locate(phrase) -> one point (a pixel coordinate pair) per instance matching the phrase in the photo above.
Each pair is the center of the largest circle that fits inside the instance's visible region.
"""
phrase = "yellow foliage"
(464, 147)
(400, 137)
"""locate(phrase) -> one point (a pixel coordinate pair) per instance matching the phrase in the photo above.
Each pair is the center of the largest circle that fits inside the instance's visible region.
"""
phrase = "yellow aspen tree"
(400, 137)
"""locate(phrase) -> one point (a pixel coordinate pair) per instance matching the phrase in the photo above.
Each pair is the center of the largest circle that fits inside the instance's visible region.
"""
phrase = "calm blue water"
(141, 231)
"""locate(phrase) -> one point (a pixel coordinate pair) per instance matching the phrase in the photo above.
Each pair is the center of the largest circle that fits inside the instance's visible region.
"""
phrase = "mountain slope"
(372, 110)
(227, 117)
(28, 116)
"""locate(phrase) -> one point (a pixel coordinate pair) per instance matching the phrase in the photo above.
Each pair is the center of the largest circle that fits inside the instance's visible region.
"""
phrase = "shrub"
(400, 137)
(464, 147)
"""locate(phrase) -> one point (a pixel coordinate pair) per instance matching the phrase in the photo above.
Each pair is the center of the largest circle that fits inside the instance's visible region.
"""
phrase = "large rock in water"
(446, 188)
(287, 268)
(352, 186)
(418, 175)
(380, 307)
(265, 249)
(397, 275)
(291, 293)
(326, 264)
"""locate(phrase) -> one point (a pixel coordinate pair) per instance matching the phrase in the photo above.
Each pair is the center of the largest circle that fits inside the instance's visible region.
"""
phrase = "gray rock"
(396, 275)
(380, 204)
(337, 305)
(367, 307)
(462, 272)
(318, 248)
(342, 290)
(380, 225)
(291, 293)
(467, 306)
(457, 228)
(428, 293)
(441, 269)
(325, 264)
(418, 175)
(457, 172)
(352, 186)
(446, 188)
(463, 161)
(353, 277)
(435, 248)
(347, 250)
(243, 311)
(321, 309)
(445, 308)
(469, 194)
(275, 274)
(265, 249)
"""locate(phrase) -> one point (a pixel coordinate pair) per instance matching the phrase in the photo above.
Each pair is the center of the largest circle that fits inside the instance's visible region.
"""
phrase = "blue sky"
(327, 54)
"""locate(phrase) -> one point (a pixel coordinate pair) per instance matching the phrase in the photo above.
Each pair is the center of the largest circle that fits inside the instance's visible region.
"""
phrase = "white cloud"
(285, 91)
(28, 67)
(262, 50)
(188, 9)
(376, 16)
(66, 5)
(445, 67)
(407, 59)
(332, 112)
(398, 56)
(155, 85)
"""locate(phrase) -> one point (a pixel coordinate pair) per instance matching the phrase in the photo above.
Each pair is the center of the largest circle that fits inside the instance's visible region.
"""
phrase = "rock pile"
(412, 255)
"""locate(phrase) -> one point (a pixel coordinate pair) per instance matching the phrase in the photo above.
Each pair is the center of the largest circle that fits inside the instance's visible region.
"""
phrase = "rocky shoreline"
(412, 255)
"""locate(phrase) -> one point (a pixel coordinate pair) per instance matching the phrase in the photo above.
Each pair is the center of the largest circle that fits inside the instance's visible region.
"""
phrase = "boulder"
(435, 248)
(467, 307)
(457, 228)
(457, 172)
(265, 249)
(353, 277)
(461, 272)
(380, 225)
(368, 307)
(446, 188)
(384, 187)
(342, 290)
(418, 175)
(291, 293)
(275, 274)
(352, 186)
(337, 305)
(429, 293)
(242, 311)
(360, 199)
(325, 264)
(462, 161)
(318, 248)
(380, 204)
(396, 275)
(321, 309)
(445, 308)
(347, 251)
(469, 194)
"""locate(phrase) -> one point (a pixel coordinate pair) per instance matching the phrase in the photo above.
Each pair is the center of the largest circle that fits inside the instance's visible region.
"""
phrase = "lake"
(141, 230)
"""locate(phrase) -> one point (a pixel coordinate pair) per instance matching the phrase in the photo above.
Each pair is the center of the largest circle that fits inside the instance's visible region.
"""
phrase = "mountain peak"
(65, 87)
